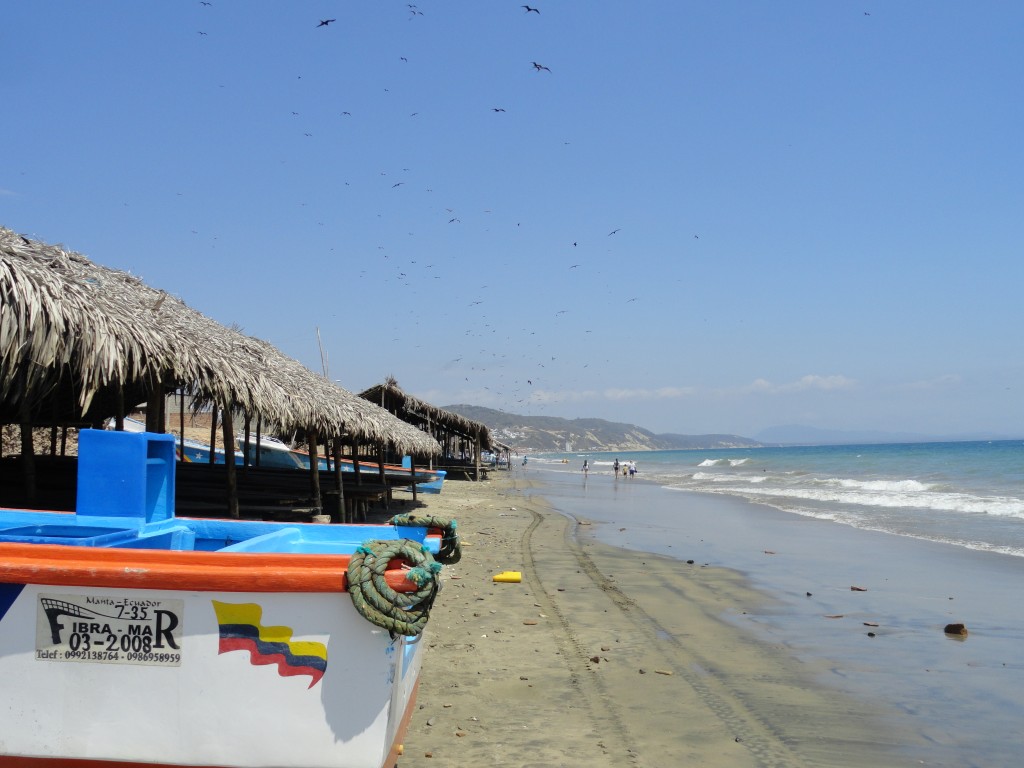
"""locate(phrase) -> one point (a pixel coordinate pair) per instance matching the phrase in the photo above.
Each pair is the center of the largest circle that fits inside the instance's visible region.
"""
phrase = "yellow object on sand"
(509, 577)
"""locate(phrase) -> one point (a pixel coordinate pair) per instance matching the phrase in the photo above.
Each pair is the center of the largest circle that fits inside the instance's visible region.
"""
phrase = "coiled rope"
(401, 613)
(450, 550)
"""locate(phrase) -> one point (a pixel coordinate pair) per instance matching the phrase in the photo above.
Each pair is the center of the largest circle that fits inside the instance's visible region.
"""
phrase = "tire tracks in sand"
(557, 566)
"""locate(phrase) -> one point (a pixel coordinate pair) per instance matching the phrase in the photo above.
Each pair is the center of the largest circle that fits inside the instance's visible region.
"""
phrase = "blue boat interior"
(126, 500)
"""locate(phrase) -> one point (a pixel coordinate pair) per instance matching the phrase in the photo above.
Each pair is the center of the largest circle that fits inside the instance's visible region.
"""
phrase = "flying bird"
(529, 9)
(497, 109)
(612, 232)
(400, 183)
(325, 22)
(539, 67)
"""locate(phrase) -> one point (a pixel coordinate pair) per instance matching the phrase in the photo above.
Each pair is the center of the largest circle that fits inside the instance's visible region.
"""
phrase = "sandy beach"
(604, 656)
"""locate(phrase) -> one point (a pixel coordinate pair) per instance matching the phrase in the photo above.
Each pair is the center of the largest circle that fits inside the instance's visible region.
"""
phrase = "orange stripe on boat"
(176, 570)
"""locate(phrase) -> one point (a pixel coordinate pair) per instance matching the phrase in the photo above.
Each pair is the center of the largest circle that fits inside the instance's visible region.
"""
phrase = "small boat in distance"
(276, 454)
(130, 636)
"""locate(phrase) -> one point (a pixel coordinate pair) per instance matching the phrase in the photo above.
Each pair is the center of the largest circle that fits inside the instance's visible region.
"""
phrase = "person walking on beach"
(586, 466)
(615, 466)
(632, 469)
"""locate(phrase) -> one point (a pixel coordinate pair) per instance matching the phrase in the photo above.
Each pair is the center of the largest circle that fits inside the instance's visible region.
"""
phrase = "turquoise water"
(970, 494)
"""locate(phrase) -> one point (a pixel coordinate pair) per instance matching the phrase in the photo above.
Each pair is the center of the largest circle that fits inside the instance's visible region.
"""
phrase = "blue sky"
(817, 206)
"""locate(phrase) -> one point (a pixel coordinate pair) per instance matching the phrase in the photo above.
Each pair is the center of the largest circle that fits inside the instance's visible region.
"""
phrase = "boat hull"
(173, 677)
(274, 456)
(436, 485)
(131, 636)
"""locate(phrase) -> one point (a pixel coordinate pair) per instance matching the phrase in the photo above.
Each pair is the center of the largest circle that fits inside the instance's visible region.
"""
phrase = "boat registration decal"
(241, 630)
(109, 629)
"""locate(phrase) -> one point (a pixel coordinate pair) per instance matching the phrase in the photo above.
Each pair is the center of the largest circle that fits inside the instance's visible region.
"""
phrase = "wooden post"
(155, 408)
(229, 461)
(245, 445)
(314, 469)
(53, 427)
(181, 424)
(213, 433)
(360, 513)
(430, 431)
(259, 426)
(476, 451)
(383, 478)
(339, 483)
(412, 474)
(119, 416)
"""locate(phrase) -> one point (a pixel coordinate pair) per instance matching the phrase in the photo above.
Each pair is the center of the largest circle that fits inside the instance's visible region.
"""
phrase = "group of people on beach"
(628, 468)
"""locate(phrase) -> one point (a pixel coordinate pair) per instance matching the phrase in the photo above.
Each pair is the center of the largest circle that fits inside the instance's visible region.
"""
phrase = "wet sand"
(604, 656)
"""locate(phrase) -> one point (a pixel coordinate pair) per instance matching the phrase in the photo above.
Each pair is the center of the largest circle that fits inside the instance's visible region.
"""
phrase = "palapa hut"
(502, 454)
(462, 440)
(81, 343)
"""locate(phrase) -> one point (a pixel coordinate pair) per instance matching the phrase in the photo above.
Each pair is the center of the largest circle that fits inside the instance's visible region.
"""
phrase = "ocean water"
(934, 534)
(969, 494)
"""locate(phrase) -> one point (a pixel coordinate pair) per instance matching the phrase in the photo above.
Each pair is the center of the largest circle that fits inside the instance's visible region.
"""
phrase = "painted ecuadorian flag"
(240, 630)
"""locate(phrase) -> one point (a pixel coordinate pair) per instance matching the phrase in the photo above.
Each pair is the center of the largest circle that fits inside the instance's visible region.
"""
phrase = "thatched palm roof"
(415, 411)
(73, 334)
(323, 405)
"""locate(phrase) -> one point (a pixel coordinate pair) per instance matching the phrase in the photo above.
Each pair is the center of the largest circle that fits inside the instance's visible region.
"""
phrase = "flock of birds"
(489, 358)
(399, 268)
(487, 367)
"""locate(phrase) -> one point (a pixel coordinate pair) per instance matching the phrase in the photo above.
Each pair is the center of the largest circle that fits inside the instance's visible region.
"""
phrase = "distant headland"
(551, 434)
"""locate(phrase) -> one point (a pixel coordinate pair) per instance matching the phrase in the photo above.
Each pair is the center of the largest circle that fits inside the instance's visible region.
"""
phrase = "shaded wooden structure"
(462, 440)
(81, 343)
(502, 454)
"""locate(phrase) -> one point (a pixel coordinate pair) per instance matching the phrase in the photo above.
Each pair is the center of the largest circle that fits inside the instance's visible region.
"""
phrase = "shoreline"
(610, 657)
(957, 698)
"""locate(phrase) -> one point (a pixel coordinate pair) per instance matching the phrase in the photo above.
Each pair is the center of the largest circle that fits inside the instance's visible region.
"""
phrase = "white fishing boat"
(132, 637)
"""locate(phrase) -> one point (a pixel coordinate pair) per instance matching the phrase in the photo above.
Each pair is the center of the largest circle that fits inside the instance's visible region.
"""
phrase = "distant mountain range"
(550, 434)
